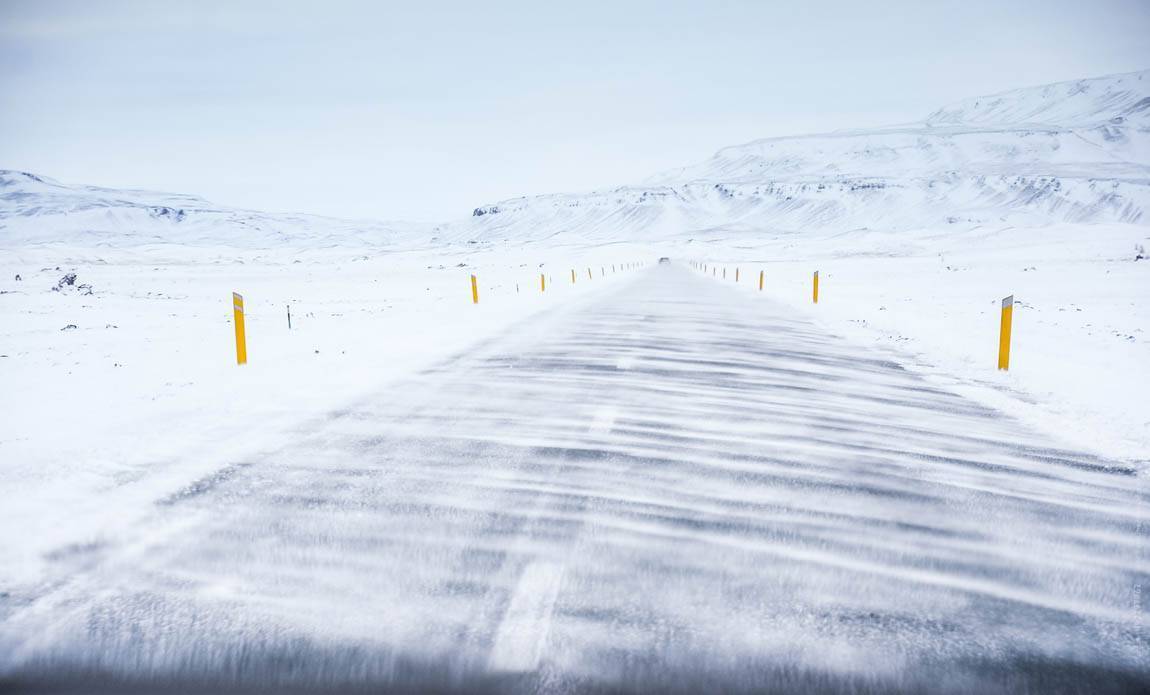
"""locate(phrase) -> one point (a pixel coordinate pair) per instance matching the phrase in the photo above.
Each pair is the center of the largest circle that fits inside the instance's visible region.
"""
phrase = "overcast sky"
(423, 110)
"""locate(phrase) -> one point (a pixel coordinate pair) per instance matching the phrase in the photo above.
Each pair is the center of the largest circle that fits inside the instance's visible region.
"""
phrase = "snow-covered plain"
(668, 487)
(917, 230)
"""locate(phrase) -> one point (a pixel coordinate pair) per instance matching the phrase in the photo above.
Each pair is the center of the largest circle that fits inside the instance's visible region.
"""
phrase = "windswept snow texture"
(670, 487)
(1068, 152)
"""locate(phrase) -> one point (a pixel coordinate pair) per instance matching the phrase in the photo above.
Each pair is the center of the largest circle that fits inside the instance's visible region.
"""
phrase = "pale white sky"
(424, 110)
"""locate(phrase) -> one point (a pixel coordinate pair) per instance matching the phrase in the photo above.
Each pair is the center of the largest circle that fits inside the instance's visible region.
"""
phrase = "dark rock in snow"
(68, 280)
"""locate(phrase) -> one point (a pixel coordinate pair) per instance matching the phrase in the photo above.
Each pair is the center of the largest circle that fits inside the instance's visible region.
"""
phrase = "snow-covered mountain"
(1117, 99)
(37, 210)
(1067, 152)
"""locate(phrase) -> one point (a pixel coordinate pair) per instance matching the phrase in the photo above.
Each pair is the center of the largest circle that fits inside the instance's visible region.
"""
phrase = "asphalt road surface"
(671, 486)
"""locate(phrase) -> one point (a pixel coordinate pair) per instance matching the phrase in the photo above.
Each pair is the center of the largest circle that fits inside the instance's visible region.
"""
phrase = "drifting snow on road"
(672, 486)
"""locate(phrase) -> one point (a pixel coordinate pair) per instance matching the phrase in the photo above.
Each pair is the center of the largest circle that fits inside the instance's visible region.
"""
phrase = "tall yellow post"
(589, 276)
(815, 289)
(1004, 333)
(736, 274)
(241, 335)
(760, 281)
(572, 276)
(474, 290)
(542, 282)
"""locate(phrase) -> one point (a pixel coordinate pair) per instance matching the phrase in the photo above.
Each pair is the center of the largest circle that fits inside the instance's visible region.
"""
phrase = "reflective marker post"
(241, 335)
(1004, 333)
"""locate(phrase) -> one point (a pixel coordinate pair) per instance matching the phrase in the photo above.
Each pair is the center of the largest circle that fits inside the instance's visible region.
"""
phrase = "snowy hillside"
(1115, 99)
(1068, 152)
(38, 210)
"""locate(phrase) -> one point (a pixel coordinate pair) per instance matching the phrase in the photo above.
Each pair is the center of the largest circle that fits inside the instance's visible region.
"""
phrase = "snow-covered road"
(671, 485)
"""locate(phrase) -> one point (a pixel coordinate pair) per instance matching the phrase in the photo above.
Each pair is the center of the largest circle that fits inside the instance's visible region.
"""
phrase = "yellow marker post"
(1004, 333)
(474, 290)
(815, 289)
(542, 282)
(736, 274)
(572, 276)
(589, 276)
(241, 335)
(760, 281)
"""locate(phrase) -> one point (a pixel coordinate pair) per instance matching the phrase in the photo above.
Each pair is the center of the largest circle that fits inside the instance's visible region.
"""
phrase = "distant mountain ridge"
(1114, 99)
(36, 209)
(1076, 151)
(1002, 159)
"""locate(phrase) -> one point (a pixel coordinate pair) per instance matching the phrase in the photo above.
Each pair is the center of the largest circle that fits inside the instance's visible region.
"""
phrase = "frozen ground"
(664, 486)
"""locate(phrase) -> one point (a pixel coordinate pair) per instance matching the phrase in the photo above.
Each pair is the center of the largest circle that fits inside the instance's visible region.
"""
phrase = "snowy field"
(143, 395)
(657, 486)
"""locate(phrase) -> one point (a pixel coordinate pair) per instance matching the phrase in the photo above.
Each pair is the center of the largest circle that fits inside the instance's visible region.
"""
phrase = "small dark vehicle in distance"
(664, 259)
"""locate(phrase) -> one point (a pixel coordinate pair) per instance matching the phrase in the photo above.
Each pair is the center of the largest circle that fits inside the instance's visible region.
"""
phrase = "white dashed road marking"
(523, 632)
